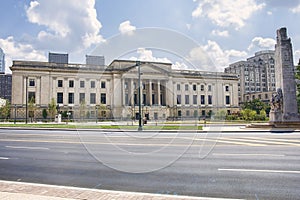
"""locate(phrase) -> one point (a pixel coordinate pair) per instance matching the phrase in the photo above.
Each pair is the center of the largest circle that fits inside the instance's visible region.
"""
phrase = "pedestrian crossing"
(258, 141)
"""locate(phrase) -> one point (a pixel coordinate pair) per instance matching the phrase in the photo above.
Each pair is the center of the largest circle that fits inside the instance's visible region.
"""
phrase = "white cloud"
(220, 33)
(221, 58)
(269, 13)
(147, 55)
(70, 24)
(226, 13)
(18, 51)
(296, 9)
(262, 43)
(126, 28)
(297, 57)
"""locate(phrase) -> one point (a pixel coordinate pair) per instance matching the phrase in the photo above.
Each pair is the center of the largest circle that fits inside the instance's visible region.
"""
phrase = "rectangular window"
(179, 99)
(81, 97)
(71, 98)
(71, 83)
(227, 99)
(195, 99)
(103, 84)
(202, 99)
(153, 86)
(103, 98)
(178, 87)
(209, 99)
(31, 82)
(144, 99)
(135, 98)
(187, 99)
(194, 87)
(187, 113)
(203, 112)
(126, 99)
(126, 85)
(153, 99)
(60, 83)
(93, 84)
(82, 84)
(93, 98)
(31, 97)
(60, 98)
(186, 87)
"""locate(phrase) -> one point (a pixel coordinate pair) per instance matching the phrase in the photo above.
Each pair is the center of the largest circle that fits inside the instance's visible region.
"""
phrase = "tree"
(31, 108)
(45, 113)
(248, 114)
(5, 110)
(256, 104)
(52, 109)
(297, 76)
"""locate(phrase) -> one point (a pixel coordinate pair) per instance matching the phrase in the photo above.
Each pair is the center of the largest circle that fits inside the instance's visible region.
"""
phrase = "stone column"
(158, 93)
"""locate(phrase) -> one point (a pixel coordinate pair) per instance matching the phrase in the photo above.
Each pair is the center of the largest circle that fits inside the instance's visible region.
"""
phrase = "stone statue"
(277, 100)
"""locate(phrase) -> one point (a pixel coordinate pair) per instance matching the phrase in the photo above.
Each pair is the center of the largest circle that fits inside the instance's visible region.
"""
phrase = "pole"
(96, 114)
(26, 109)
(140, 128)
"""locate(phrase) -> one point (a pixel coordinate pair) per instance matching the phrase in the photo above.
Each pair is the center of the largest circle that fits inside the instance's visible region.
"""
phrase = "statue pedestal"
(275, 116)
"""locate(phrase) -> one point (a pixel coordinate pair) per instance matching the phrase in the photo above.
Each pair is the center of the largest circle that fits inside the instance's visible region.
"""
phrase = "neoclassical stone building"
(90, 91)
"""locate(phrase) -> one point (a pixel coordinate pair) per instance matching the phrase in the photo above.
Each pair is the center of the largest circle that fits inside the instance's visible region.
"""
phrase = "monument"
(284, 108)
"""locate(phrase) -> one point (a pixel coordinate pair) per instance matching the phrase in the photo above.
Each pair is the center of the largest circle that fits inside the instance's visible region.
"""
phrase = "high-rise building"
(2, 61)
(5, 86)
(95, 60)
(257, 76)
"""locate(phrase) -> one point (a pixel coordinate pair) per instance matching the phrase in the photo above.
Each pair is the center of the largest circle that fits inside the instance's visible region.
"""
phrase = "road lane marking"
(293, 141)
(4, 158)
(248, 154)
(257, 141)
(32, 148)
(261, 170)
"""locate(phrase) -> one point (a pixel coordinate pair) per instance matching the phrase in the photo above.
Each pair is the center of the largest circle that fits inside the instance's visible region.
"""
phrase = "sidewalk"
(29, 191)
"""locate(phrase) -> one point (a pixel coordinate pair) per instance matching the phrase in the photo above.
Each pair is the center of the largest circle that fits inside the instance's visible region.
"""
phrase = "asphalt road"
(238, 165)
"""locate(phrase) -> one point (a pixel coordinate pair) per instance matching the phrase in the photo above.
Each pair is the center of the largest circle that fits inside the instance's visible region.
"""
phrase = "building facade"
(5, 86)
(257, 76)
(2, 61)
(111, 91)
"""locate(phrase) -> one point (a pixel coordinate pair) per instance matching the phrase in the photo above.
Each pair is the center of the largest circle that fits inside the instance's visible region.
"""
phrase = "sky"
(205, 34)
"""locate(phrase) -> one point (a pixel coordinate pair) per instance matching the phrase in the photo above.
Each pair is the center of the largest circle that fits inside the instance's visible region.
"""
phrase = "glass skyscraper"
(2, 61)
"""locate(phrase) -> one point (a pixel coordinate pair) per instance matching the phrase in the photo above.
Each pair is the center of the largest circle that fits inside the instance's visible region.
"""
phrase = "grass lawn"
(122, 127)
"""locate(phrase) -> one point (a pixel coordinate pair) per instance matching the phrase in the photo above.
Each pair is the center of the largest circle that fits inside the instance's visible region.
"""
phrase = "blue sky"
(226, 31)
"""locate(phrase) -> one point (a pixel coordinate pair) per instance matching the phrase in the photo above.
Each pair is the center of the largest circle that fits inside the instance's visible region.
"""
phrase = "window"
(202, 99)
(31, 97)
(103, 98)
(144, 99)
(179, 99)
(153, 99)
(153, 86)
(186, 87)
(227, 99)
(179, 113)
(103, 84)
(60, 97)
(60, 83)
(266, 96)
(135, 98)
(209, 99)
(227, 88)
(187, 113)
(31, 82)
(81, 97)
(187, 99)
(194, 87)
(202, 88)
(71, 83)
(178, 87)
(209, 88)
(126, 85)
(82, 84)
(195, 113)
(93, 84)
(93, 98)
(126, 99)
(203, 113)
(194, 99)
(71, 98)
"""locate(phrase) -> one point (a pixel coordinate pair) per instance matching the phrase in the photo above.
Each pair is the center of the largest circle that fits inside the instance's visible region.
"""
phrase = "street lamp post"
(140, 128)
(15, 113)
(96, 114)
(26, 100)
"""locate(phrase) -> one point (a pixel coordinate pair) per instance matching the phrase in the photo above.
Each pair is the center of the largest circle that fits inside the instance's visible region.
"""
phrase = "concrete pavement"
(10, 190)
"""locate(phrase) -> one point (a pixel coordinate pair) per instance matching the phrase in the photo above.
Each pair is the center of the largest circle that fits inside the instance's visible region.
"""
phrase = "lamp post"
(26, 100)
(15, 113)
(140, 128)
(96, 114)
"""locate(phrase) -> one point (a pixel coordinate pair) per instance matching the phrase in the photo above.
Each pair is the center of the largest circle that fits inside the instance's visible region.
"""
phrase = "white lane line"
(32, 148)
(261, 170)
(4, 158)
(248, 154)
